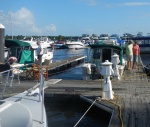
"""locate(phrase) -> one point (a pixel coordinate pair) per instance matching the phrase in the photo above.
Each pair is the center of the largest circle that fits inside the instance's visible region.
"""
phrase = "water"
(67, 112)
(145, 58)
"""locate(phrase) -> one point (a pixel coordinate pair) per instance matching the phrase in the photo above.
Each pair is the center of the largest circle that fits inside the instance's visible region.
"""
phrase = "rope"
(85, 112)
(120, 112)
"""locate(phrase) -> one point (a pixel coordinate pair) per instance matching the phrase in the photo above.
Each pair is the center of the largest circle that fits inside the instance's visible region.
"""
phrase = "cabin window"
(96, 54)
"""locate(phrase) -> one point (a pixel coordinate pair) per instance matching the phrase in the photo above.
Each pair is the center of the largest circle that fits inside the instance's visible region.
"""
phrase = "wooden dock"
(129, 108)
(65, 64)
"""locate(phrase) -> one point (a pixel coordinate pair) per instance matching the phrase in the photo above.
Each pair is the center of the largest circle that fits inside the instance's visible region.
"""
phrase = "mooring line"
(85, 113)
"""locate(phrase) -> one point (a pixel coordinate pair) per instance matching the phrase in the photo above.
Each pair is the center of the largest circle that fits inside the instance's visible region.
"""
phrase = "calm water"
(66, 114)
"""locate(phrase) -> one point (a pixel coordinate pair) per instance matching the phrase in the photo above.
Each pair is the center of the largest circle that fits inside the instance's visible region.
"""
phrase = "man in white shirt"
(39, 51)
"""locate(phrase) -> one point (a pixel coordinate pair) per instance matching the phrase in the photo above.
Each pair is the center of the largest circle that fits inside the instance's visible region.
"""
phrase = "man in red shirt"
(136, 53)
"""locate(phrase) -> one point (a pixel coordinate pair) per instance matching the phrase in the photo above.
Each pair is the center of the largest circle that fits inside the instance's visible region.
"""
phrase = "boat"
(45, 41)
(86, 39)
(60, 45)
(100, 52)
(94, 37)
(25, 109)
(103, 37)
(75, 44)
(26, 51)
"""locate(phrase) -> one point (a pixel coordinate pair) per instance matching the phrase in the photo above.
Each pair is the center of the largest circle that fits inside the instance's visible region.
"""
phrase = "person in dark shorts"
(39, 51)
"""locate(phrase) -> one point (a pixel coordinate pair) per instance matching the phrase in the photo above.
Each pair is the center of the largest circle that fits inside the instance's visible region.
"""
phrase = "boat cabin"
(102, 52)
(24, 51)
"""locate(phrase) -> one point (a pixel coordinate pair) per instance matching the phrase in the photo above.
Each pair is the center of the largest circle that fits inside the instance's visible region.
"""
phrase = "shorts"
(39, 57)
(135, 58)
(129, 57)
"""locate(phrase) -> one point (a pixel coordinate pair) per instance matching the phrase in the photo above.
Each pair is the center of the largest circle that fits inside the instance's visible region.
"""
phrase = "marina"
(60, 70)
(105, 84)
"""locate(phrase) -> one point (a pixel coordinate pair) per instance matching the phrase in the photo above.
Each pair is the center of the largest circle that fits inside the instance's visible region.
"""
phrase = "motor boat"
(75, 44)
(25, 109)
(26, 51)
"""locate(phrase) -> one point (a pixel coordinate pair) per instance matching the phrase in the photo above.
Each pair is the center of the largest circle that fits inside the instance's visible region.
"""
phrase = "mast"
(11, 23)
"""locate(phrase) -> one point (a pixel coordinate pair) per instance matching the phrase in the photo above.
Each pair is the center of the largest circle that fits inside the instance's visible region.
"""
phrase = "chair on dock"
(36, 71)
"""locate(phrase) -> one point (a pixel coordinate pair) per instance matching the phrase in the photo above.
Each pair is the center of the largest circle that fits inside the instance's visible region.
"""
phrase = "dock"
(129, 108)
(65, 64)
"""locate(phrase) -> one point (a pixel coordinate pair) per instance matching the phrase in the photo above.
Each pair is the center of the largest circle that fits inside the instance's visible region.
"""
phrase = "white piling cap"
(106, 63)
(115, 55)
(1, 26)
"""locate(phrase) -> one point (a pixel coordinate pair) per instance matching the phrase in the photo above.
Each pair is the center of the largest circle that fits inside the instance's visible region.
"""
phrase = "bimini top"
(106, 46)
(16, 43)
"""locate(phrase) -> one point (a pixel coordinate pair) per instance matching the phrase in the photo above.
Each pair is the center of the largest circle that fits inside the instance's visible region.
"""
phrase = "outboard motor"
(86, 69)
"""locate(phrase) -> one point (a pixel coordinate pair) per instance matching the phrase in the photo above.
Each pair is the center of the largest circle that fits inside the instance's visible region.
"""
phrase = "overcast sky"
(74, 17)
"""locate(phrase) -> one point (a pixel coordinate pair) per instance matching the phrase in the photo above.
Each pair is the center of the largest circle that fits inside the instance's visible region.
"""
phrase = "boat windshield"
(96, 53)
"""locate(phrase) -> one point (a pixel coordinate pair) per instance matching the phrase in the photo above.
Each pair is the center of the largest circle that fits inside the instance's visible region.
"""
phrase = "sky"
(74, 17)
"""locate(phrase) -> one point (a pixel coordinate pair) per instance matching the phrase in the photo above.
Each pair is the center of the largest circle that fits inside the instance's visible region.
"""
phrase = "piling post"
(106, 70)
(2, 42)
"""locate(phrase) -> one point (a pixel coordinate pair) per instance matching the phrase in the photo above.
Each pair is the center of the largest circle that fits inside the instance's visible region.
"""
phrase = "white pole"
(2, 42)
(42, 93)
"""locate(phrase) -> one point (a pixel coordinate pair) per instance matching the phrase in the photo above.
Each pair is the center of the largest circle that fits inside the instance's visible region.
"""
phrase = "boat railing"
(9, 74)
(6, 74)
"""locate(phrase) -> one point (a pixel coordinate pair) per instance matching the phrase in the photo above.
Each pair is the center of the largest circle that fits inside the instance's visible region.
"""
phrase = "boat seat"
(28, 69)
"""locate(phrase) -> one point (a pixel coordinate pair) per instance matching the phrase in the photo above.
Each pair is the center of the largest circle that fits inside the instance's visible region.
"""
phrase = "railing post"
(5, 83)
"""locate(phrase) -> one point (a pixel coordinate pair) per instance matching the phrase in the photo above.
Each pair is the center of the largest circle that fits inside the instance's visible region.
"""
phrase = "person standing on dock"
(136, 53)
(39, 51)
(129, 54)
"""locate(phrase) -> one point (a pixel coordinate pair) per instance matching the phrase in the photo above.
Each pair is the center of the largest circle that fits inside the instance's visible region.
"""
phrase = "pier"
(130, 106)
(65, 64)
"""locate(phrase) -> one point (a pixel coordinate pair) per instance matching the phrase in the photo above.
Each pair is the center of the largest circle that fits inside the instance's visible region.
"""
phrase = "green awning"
(26, 56)
(15, 43)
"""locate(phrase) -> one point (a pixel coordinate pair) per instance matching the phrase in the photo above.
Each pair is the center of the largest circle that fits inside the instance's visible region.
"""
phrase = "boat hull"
(144, 48)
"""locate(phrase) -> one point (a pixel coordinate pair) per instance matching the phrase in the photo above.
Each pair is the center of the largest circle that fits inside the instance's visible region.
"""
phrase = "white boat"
(94, 37)
(25, 109)
(86, 39)
(26, 51)
(104, 37)
(100, 52)
(75, 44)
(45, 41)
